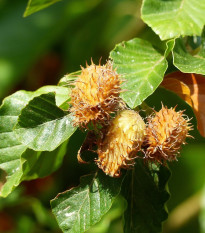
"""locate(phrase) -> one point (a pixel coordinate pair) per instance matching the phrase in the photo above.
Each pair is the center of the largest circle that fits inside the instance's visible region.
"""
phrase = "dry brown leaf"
(180, 88)
(191, 88)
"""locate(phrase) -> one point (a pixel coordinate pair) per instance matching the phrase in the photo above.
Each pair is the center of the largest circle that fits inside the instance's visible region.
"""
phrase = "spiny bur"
(95, 95)
(119, 146)
(166, 132)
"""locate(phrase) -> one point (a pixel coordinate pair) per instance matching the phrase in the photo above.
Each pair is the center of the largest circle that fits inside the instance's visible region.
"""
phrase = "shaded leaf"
(196, 85)
(169, 47)
(62, 93)
(81, 207)
(10, 148)
(145, 191)
(37, 164)
(142, 68)
(185, 61)
(42, 126)
(170, 19)
(37, 5)
(2, 178)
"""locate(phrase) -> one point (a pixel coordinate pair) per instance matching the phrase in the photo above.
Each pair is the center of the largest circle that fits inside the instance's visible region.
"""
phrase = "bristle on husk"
(166, 132)
(120, 144)
(95, 95)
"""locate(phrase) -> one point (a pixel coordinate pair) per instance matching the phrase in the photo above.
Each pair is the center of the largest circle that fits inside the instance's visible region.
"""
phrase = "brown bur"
(120, 144)
(95, 95)
(166, 132)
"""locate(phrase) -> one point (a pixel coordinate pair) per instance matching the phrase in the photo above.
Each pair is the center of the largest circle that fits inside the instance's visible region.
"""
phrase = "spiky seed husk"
(95, 95)
(119, 146)
(165, 133)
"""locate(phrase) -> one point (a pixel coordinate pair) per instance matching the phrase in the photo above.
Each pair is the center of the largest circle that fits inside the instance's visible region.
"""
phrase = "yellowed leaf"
(180, 88)
(191, 88)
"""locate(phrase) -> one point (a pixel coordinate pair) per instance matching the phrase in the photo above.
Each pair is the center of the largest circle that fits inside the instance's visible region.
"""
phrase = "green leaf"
(142, 68)
(37, 5)
(10, 148)
(185, 61)
(145, 191)
(112, 216)
(62, 95)
(170, 19)
(79, 208)
(67, 81)
(169, 47)
(69, 78)
(42, 126)
(37, 164)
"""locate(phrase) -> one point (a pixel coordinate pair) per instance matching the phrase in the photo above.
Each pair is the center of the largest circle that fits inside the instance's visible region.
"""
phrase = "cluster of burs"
(121, 133)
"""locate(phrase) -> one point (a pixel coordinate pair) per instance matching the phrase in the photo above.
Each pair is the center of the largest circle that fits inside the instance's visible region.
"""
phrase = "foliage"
(171, 19)
(164, 46)
(145, 191)
(141, 66)
(85, 205)
(36, 5)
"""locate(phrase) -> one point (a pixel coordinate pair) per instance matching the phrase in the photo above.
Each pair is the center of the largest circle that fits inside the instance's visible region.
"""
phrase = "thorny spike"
(166, 132)
(120, 144)
(100, 61)
(95, 95)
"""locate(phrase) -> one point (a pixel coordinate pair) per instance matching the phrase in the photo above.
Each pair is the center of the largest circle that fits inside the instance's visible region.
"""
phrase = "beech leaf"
(38, 164)
(81, 207)
(37, 5)
(42, 126)
(142, 68)
(146, 195)
(187, 62)
(195, 97)
(11, 148)
(171, 19)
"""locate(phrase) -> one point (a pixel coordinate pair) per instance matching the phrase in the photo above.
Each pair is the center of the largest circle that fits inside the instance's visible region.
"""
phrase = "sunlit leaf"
(185, 61)
(142, 68)
(170, 19)
(196, 85)
(79, 208)
(68, 79)
(42, 126)
(110, 217)
(10, 148)
(146, 194)
(37, 5)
